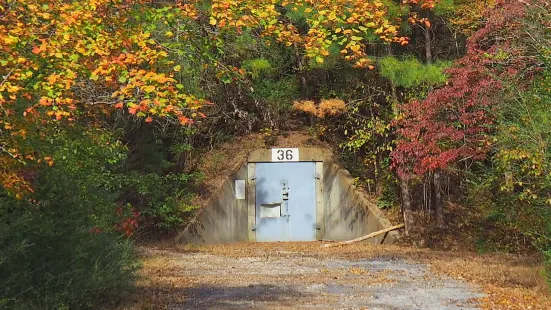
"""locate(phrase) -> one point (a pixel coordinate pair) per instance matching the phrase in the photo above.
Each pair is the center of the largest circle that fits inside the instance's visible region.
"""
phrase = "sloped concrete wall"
(223, 219)
(348, 212)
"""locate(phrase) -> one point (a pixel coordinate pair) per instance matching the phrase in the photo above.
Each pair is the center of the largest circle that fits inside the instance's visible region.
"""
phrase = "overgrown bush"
(152, 180)
(163, 200)
(60, 246)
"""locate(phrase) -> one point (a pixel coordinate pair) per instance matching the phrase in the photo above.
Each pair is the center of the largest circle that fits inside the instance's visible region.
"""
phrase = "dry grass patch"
(160, 282)
(511, 281)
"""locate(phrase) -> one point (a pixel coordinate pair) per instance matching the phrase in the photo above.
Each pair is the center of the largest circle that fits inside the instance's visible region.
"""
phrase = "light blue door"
(285, 201)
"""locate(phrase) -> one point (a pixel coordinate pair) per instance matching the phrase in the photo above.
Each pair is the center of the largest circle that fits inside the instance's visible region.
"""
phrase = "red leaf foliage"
(454, 121)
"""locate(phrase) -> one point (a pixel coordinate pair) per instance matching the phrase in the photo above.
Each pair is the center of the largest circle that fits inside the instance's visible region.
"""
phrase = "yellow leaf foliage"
(340, 22)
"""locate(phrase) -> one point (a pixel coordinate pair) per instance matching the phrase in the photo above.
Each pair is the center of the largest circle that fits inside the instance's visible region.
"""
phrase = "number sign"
(284, 154)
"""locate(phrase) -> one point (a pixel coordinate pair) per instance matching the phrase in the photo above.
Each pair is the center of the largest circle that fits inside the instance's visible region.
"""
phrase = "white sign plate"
(239, 189)
(285, 154)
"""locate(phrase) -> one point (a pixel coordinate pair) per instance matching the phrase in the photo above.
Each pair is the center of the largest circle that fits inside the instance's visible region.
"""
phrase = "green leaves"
(258, 67)
(410, 72)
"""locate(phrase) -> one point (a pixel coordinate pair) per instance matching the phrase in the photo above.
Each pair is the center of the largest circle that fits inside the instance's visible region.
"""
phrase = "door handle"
(271, 205)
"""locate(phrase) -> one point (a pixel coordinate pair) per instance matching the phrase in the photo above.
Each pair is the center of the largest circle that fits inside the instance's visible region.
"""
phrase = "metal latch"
(285, 192)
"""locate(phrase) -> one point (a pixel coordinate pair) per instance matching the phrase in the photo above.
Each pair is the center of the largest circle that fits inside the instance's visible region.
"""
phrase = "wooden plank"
(371, 235)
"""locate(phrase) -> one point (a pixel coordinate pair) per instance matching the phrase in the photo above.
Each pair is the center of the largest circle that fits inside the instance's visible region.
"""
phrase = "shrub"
(59, 247)
(409, 72)
(258, 67)
(158, 210)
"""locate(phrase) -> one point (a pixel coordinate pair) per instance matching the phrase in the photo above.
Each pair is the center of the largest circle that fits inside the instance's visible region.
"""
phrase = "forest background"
(440, 109)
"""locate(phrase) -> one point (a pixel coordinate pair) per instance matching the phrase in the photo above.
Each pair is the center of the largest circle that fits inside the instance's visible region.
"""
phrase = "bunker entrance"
(286, 194)
(285, 201)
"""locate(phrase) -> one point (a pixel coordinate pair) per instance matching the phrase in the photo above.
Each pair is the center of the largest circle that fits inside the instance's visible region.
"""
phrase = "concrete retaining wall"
(348, 212)
(223, 219)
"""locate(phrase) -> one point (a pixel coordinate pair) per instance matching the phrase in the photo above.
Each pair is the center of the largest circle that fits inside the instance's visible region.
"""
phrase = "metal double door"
(285, 201)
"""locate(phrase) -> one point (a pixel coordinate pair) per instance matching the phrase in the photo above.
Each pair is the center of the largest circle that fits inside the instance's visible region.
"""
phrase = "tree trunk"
(404, 185)
(438, 207)
(300, 67)
(378, 174)
(393, 92)
(428, 42)
(428, 48)
(406, 204)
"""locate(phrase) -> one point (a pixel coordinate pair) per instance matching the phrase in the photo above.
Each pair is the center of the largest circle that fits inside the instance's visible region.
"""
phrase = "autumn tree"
(66, 69)
(453, 123)
(89, 56)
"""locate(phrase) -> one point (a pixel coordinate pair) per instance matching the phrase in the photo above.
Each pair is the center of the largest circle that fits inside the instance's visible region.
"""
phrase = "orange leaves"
(52, 78)
(402, 40)
(423, 21)
(45, 102)
(92, 56)
(58, 115)
(423, 4)
(185, 121)
(326, 107)
(14, 183)
(363, 63)
(188, 10)
(48, 160)
(428, 5)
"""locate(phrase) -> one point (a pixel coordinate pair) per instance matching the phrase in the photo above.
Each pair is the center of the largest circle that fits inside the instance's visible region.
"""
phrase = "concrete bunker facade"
(287, 194)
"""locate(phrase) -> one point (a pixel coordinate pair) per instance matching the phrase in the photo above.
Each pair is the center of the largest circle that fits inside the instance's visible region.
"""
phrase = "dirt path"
(282, 276)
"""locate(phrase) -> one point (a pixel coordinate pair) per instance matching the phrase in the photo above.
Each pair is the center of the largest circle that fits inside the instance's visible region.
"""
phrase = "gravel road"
(280, 277)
